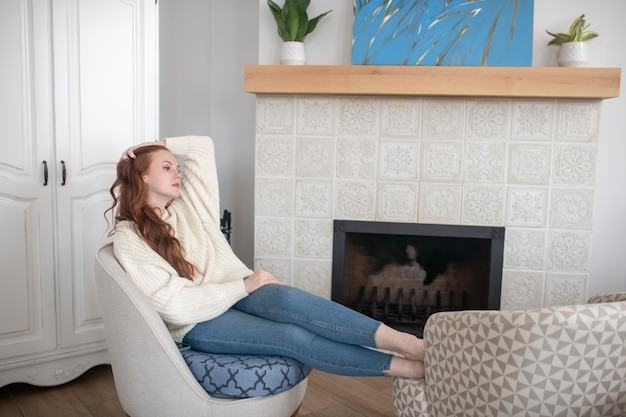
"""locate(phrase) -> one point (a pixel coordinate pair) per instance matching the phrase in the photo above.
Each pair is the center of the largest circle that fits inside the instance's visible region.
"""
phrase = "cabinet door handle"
(63, 173)
(45, 174)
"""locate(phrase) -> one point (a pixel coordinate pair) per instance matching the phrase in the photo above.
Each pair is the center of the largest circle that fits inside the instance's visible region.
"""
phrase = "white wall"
(208, 80)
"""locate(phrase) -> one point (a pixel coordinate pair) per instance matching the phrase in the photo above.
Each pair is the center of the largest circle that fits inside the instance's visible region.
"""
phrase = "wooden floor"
(93, 395)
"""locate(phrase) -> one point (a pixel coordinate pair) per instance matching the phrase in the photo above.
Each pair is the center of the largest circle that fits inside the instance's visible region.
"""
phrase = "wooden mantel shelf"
(538, 82)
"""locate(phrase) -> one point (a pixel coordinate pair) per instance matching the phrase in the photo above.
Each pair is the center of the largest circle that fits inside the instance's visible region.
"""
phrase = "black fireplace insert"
(401, 273)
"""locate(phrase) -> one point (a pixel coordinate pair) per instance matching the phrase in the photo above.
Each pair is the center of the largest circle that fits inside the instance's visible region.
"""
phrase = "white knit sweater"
(195, 217)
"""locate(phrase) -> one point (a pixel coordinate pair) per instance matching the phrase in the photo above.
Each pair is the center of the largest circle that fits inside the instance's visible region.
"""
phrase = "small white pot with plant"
(293, 26)
(573, 49)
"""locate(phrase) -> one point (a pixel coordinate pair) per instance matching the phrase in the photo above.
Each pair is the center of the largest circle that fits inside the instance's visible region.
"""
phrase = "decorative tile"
(314, 239)
(315, 157)
(432, 160)
(357, 116)
(568, 251)
(273, 197)
(485, 162)
(533, 120)
(315, 115)
(280, 268)
(579, 121)
(571, 209)
(575, 165)
(527, 206)
(400, 117)
(397, 202)
(274, 156)
(355, 200)
(273, 237)
(275, 115)
(488, 119)
(566, 289)
(313, 276)
(398, 160)
(525, 249)
(443, 118)
(314, 198)
(483, 205)
(439, 203)
(529, 163)
(522, 290)
(356, 158)
(441, 161)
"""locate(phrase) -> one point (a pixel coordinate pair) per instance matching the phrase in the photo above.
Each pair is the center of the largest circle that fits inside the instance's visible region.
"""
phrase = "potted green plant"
(294, 26)
(573, 49)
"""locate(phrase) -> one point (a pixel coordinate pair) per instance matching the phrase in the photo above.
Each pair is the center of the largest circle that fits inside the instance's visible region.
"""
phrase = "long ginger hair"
(130, 196)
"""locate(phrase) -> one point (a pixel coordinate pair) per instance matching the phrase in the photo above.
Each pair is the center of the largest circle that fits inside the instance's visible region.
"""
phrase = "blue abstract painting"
(443, 32)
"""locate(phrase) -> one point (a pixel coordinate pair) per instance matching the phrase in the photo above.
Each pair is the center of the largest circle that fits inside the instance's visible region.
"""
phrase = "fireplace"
(527, 164)
(401, 273)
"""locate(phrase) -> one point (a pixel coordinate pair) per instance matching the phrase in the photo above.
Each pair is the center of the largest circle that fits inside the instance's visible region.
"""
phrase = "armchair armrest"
(607, 297)
(548, 361)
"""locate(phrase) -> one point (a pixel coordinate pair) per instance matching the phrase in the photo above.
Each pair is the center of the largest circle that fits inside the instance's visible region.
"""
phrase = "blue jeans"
(282, 320)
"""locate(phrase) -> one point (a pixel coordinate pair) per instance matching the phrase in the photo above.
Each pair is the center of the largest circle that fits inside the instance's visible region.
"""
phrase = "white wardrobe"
(79, 84)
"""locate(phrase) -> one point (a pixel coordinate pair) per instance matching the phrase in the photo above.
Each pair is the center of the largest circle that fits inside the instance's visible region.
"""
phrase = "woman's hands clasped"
(258, 279)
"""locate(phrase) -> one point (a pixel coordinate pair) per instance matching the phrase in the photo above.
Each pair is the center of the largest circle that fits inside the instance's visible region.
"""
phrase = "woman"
(167, 237)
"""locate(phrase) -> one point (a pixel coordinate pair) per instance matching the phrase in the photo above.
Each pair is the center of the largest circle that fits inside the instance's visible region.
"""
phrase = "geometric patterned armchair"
(553, 361)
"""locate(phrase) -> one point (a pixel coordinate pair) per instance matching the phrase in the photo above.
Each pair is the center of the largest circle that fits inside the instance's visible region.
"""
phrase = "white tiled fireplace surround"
(526, 164)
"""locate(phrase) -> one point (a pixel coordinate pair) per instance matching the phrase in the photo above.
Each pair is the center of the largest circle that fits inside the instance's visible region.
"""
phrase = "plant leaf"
(588, 35)
(275, 8)
(303, 26)
(303, 5)
(292, 18)
(559, 38)
(280, 21)
(313, 22)
(577, 33)
(579, 22)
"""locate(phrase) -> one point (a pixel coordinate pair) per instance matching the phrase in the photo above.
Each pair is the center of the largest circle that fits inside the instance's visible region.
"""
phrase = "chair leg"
(295, 413)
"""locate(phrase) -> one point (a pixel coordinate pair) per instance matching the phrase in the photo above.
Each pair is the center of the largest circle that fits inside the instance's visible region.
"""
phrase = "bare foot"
(405, 368)
(406, 344)
(415, 348)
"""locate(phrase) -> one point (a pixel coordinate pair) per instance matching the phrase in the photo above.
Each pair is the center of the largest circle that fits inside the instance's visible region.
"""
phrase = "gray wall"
(204, 46)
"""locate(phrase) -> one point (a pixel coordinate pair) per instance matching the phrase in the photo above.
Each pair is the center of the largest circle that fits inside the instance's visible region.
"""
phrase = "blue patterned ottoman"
(243, 376)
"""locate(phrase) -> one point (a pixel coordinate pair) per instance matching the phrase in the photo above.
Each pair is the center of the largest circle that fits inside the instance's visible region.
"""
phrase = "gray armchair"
(556, 361)
(150, 374)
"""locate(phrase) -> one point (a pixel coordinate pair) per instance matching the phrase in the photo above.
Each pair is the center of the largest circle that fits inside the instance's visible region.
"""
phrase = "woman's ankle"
(406, 344)
(405, 368)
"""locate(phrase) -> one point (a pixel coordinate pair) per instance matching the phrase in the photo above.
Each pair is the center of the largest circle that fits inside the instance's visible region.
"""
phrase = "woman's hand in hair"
(258, 279)
(130, 152)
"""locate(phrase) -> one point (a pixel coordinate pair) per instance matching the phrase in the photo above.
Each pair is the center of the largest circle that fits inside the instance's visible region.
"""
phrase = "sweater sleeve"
(199, 188)
(178, 301)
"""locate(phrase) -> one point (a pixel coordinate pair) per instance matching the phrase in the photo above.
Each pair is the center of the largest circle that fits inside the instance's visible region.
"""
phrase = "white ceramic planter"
(573, 54)
(292, 53)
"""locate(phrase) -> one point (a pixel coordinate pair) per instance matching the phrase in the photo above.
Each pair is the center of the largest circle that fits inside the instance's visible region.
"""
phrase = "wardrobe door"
(106, 89)
(27, 267)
